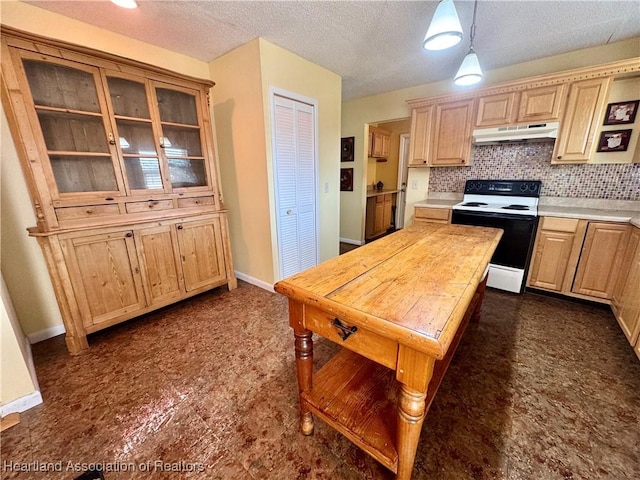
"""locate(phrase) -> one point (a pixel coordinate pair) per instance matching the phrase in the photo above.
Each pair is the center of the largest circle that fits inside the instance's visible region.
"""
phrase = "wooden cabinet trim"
(598, 71)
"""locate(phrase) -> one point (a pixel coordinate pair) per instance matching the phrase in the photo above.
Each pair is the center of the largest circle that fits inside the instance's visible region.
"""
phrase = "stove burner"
(474, 204)
(516, 207)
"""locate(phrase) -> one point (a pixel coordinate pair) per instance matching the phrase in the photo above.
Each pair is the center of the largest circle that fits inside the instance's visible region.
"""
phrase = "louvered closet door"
(295, 172)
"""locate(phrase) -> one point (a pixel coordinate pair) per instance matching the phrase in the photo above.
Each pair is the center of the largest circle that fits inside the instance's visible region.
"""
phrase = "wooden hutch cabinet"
(120, 164)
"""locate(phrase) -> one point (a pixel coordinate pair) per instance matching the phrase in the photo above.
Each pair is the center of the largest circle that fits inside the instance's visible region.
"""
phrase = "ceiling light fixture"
(470, 72)
(445, 30)
(126, 3)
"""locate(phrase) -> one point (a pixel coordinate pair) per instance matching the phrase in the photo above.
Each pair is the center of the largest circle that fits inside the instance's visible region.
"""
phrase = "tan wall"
(284, 70)
(22, 262)
(392, 106)
(242, 107)
(621, 91)
(15, 377)
(240, 126)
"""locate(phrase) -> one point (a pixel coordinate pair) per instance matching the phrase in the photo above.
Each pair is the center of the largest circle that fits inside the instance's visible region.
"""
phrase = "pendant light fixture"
(445, 30)
(470, 71)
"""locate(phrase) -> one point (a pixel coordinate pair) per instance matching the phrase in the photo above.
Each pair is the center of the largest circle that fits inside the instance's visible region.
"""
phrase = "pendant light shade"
(470, 71)
(445, 30)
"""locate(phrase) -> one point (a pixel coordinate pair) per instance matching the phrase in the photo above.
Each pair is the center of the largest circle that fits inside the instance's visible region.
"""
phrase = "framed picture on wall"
(621, 112)
(614, 141)
(346, 144)
(346, 179)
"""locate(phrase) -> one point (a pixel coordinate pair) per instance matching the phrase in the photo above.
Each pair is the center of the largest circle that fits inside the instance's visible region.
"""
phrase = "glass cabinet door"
(135, 134)
(74, 127)
(182, 137)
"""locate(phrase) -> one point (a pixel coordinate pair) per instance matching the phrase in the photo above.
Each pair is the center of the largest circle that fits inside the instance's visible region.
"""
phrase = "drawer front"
(151, 205)
(379, 349)
(569, 225)
(87, 211)
(195, 202)
(442, 215)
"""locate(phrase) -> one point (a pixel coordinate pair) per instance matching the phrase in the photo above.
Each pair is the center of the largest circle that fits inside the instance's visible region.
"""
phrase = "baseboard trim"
(21, 404)
(254, 281)
(45, 334)
(351, 241)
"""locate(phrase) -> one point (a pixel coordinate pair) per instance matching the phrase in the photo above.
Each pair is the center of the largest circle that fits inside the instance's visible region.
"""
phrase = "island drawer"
(368, 344)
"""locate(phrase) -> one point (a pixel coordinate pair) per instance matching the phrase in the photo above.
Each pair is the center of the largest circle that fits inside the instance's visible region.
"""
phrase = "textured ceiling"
(374, 45)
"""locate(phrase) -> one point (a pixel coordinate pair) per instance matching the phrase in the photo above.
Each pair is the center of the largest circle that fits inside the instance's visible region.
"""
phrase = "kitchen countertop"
(585, 209)
(437, 203)
(621, 216)
(375, 193)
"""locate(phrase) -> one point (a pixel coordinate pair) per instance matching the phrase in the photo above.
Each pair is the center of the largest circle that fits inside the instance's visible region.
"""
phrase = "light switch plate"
(414, 184)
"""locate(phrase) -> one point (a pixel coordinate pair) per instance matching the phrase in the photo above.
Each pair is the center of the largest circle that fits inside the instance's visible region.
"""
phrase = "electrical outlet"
(326, 187)
(414, 185)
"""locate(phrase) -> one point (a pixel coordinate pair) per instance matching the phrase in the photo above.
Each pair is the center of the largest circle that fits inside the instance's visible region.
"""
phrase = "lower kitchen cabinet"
(378, 219)
(557, 245)
(432, 215)
(626, 296)
(578, 257)
(600, 259)
(117, 273)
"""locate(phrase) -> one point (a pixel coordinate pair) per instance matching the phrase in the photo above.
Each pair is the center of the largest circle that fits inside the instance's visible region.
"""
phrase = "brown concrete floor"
(541, 388)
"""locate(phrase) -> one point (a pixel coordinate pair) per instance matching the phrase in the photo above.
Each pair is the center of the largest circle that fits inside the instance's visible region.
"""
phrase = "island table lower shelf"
(397, 345)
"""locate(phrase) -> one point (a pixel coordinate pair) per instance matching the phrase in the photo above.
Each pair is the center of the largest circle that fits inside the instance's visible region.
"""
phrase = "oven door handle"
(495, 215)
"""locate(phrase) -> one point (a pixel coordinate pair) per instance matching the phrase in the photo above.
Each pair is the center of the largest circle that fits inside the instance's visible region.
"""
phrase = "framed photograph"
(346, 144)
(346, 179)
(621, 112)
(614, 141)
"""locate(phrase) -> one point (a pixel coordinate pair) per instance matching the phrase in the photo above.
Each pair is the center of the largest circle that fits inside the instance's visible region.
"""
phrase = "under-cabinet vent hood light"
(516, 133)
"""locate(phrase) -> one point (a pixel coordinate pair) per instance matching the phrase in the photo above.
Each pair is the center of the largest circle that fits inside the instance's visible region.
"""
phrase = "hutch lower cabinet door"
(159, 259)
(201, 251)
(105, 276)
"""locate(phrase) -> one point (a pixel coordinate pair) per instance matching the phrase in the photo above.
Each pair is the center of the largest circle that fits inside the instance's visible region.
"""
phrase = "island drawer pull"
(343, 330)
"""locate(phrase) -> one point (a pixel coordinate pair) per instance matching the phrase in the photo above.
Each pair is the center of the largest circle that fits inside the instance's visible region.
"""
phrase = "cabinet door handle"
(161, 140)
(128, 234)
(112, 141)
(180, 227)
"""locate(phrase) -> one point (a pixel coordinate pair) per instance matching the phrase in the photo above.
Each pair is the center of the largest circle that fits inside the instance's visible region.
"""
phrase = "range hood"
(516, 133)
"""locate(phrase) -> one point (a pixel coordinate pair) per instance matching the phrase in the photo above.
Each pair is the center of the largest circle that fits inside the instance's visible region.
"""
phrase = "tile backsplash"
(532, 161)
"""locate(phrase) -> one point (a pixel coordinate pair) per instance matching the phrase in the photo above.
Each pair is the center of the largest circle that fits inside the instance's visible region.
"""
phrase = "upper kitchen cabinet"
(529, 105)
(540, 104)
(441, 126)
(379, 142)
(441, 134)
(451, 144)
(420, 138)
(496, 110)
(585, 105)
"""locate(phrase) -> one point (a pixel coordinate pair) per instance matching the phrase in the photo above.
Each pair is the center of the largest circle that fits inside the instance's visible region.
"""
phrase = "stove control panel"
(517, 188)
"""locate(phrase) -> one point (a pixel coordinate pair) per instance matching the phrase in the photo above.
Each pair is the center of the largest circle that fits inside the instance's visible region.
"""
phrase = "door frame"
(273, 183)
(403, 177)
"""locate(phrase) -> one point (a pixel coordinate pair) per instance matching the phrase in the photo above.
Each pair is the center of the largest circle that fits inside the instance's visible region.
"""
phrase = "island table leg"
(411, 413)
(304, 368)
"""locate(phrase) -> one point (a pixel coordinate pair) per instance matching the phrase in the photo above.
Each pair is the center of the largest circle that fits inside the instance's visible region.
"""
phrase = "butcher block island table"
(399, 307)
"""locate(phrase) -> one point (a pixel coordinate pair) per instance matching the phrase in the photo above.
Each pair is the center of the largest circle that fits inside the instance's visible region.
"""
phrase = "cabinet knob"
(559, 157)
(180, 227)
(112, 141)
(128, 234)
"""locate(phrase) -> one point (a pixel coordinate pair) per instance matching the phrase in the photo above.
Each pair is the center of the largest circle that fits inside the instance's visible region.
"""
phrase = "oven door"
(514, 249)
